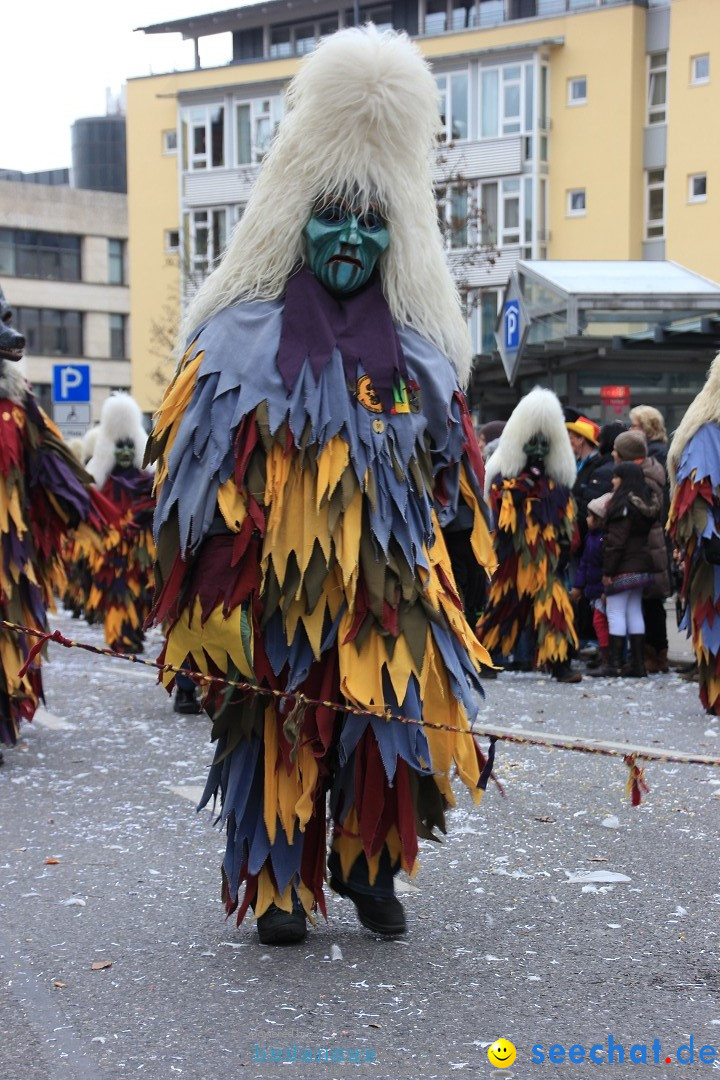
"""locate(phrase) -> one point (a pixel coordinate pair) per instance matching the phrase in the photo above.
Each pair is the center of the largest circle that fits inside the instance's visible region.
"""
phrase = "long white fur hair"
(705, 409)
(120, 418)
(361, 119)
(538, 412)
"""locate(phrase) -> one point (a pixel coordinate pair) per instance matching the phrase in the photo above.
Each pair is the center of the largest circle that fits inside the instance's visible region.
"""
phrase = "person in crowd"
(528, 480)
(121, 591)
(627, 566)
(694, 526)
(44, 495)
(584, 434)
(490, 434)
(312, 449)
(632, 446)
(650, 421)
(601, 480)
(588, 582)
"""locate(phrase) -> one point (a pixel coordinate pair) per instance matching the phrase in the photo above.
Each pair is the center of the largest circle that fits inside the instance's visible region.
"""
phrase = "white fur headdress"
(88, 443)
(120, 418)
(705, 409)
(539, 412)
(362, 118)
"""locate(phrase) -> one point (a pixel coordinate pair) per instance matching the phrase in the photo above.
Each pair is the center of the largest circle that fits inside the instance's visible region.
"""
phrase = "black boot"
(377, 907)
(562, 672)
(381, 914)
(611, 669)
(186, 702)
(278, 927)
(636, 668)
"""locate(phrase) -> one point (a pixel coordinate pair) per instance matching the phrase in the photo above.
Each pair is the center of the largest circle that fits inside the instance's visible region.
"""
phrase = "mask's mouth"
(11, 354)
(345, 259)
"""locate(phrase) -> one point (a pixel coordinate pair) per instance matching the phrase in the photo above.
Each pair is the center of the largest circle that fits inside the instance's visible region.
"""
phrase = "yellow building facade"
(582, 128)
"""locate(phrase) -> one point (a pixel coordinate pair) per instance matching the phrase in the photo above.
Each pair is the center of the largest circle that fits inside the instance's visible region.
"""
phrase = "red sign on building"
(618, 397)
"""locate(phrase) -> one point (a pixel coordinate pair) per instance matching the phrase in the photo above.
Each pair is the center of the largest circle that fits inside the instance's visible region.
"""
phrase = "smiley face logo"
(501, 1054)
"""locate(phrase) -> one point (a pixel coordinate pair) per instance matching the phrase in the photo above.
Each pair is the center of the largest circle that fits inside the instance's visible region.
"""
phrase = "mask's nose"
(350, 234)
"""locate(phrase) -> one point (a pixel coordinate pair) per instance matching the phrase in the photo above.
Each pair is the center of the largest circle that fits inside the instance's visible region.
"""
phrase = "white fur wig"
(705, 409)
(88, 443)
(539, 412)
(120, 418)
(13, 384)
(362, 118)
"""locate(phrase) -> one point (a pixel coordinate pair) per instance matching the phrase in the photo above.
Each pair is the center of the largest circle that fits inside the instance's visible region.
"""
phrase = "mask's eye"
(371, 221)
(333, 213)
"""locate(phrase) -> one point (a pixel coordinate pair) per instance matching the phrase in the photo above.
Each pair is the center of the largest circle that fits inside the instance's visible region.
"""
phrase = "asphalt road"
(104, 861)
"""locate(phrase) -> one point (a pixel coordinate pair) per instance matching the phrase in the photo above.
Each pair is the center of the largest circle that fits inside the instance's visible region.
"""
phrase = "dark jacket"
(600, 482)
(658, 540)
(590, 569)
(625, 535)
(583, 490)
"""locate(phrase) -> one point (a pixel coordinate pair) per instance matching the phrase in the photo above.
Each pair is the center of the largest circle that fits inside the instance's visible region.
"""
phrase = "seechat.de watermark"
(614, 1053)
(354, 1054)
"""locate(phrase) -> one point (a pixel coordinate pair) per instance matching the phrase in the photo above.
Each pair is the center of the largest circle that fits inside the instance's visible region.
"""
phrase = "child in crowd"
(588, 577)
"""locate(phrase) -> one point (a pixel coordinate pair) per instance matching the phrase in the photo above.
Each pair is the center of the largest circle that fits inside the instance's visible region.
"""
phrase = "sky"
(61, 56)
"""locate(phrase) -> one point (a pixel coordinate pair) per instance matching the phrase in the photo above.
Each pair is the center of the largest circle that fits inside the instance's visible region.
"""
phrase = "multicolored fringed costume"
(300, 504)
(122, 573)
(44, 494)
(534, 517)
(694, 525)
(534, 521)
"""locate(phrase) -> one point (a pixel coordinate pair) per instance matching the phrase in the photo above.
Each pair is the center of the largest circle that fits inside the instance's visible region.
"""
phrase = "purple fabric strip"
(360, 326)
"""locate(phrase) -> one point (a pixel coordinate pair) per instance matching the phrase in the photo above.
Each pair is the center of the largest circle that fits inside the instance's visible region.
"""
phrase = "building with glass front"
(63, 269)
(572, 130)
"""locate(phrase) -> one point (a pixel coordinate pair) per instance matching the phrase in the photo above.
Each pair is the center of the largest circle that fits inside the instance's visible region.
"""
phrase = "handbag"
(626, 582)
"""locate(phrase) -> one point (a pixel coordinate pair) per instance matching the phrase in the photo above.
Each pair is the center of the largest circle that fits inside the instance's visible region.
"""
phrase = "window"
(507, 213)
(281, 41)
(116, 265)
(655, 204)
(700, 69)
(169, 141)
(204, 137)
(506, 101)
(454, 105)
(381, 15)
(117, 337)
(576, 202)
(50, 333)
(697, 187)
(255, 124)
(172, 241)
(454, 204)
(29, 254)
(577, 90)
(657, 88)
(205, 238)
(488, 320)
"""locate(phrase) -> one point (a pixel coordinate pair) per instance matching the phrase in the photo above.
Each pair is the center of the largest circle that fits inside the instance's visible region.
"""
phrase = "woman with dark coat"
(627, 564)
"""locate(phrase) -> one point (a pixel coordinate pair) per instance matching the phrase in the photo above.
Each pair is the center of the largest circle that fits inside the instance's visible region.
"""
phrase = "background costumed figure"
(44, 494)
(694, 526)
(529, 480)
(122, 573)
(312, 444)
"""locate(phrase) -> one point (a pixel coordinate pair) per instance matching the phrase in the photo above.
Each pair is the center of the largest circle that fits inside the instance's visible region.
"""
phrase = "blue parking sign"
(511, 317)
(71, 382)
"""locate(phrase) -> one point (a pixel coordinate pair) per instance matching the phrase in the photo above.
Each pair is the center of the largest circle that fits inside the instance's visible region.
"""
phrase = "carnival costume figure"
(44, 494)
(529, 480)
(313, 442)
(694, 527)
(122, 573)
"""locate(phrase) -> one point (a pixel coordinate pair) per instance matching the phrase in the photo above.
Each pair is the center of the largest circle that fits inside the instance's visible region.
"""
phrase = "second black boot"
(636, 668)
(611, 668)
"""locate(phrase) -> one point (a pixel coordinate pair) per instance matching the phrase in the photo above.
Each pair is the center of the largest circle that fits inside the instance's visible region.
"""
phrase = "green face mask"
(124, 453)
(343, 244)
